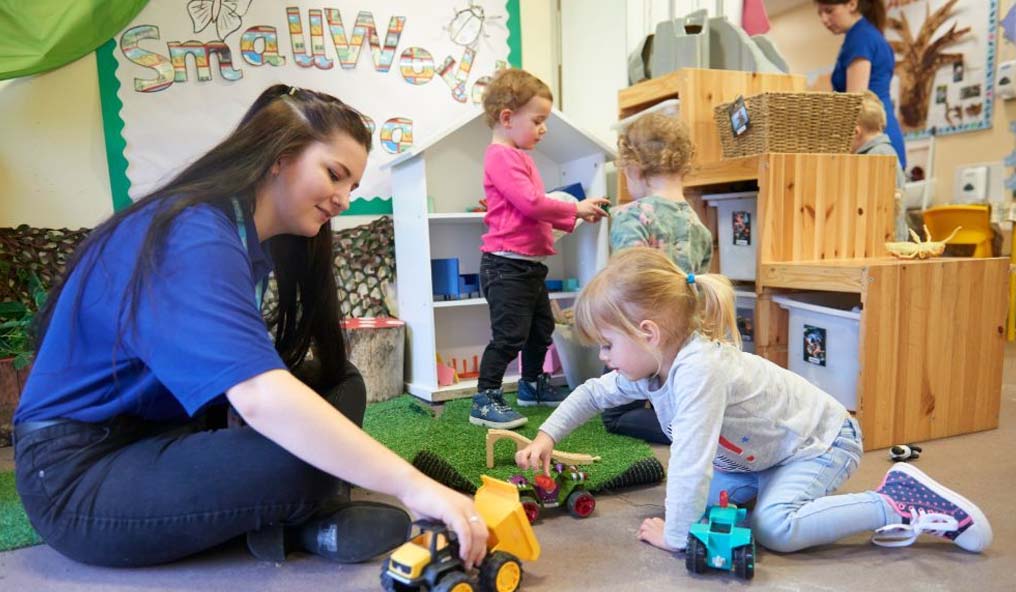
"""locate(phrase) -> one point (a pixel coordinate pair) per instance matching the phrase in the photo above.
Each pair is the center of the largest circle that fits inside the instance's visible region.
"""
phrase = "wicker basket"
(792, 122)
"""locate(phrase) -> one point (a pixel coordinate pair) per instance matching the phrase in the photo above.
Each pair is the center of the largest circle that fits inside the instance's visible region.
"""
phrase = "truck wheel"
(531, 507)
(388, 583)
(455, 581)
(500, 572)
(744, 561)
(695, 555)
(581, 504)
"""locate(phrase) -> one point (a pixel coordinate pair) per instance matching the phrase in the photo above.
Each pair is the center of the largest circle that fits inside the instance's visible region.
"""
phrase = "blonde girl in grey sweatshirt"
(737, 422)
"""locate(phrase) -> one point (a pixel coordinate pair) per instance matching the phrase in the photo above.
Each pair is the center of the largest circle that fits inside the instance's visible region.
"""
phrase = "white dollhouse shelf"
(476, 301)
(448, 169)
(468, 218)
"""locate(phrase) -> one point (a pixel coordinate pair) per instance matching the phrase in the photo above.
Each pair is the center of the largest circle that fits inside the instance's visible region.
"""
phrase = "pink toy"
(551, 364)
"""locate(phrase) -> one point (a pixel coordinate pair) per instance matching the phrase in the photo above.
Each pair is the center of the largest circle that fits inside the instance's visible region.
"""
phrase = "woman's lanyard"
(241, 229)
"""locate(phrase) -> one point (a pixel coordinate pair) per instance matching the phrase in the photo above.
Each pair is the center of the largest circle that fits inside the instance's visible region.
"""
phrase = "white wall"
(52, 152)
(593, 65)
(594, 52)
(541, 49)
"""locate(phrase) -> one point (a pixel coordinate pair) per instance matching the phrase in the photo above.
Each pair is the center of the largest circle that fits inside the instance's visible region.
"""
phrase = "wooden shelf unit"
(932, 339)
(932, 332)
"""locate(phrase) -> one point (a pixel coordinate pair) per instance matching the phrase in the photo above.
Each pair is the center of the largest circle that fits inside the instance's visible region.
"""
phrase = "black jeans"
(520, 317)
(129, 493)
(635, 419)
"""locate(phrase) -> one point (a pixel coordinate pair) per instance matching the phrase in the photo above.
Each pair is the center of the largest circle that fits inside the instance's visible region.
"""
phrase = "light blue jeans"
(795, 510)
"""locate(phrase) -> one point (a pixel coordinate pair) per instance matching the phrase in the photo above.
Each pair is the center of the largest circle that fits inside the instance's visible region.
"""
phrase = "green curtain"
(41, 35)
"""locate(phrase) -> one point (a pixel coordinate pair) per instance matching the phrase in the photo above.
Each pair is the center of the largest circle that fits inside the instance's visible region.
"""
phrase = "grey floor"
(602, 553)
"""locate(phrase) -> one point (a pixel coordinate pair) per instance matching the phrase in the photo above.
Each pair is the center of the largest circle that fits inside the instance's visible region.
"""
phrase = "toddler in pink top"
(520, 220)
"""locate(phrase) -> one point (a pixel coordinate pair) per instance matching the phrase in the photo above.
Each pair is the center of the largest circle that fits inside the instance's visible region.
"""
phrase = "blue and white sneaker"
(540, 392)
(924, 505)
(492, 411)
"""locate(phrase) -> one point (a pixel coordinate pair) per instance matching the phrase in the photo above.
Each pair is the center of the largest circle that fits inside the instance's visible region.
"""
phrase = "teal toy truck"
(719, 543)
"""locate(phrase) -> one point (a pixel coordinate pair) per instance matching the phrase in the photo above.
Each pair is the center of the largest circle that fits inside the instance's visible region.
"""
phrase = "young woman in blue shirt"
(866, 61)
(157, 324)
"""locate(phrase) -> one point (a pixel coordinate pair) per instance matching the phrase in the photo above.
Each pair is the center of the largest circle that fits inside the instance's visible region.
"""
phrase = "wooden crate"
(932, 340)
(810, 206)
(825, 206)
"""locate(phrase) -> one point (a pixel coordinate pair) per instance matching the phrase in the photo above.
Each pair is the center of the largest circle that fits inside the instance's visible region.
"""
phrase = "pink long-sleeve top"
(520, 216)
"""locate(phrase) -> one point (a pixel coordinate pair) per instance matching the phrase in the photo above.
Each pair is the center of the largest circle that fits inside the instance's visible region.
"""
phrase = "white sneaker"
(927, 506)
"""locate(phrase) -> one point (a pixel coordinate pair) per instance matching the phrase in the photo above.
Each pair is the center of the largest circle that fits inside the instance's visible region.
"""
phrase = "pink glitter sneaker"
(927, 506)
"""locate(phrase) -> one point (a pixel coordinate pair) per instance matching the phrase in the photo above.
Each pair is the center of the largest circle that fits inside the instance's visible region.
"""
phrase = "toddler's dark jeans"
(520, 317)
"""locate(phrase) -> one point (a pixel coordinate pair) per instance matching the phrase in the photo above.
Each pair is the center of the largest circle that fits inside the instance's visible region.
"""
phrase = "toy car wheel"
(532, 508)
(455, 581)
(388, 583)
(744, 562)
(695, 555)
(501, 572)
(581, 504)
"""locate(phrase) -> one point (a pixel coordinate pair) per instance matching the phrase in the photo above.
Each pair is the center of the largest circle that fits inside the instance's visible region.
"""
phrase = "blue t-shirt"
(198, 331)
(864, 41)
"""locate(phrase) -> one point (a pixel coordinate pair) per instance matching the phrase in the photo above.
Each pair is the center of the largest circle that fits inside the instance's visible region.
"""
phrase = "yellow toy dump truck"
(430, 560)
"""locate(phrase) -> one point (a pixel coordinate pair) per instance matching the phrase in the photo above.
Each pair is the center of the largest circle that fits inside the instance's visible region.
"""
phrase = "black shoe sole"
(273, 542)
(356, 532)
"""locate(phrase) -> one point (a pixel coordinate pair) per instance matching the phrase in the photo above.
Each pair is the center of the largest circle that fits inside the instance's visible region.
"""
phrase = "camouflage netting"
(364, 263)
(25, 250)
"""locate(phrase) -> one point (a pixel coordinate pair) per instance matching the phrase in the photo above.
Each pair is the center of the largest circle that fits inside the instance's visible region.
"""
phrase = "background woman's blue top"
(198, 331)
(864, 41)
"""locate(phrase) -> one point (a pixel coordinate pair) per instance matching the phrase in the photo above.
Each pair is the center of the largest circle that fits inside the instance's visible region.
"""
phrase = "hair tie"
(691, 279)
(292, 91)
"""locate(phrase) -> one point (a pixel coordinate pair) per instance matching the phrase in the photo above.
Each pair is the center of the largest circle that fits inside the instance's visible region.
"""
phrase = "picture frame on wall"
(957, 95)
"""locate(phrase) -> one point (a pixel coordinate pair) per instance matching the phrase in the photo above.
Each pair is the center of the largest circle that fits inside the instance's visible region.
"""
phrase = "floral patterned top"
(671, 226)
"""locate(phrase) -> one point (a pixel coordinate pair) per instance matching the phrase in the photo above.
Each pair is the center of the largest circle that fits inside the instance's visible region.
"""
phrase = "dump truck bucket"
(498, 503)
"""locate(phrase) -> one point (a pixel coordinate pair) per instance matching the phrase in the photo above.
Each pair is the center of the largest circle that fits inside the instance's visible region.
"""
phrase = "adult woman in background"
(866, 61)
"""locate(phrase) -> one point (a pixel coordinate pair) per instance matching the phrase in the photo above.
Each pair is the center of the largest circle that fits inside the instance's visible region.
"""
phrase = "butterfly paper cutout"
(226, 14)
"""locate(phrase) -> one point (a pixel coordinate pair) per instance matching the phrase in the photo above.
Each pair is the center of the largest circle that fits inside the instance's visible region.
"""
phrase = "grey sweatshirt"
(881, 144)
(721, 408)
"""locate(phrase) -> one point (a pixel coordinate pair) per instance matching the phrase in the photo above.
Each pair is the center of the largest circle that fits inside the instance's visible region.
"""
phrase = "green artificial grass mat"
(446, 447)
(453, 451)
(15, 531)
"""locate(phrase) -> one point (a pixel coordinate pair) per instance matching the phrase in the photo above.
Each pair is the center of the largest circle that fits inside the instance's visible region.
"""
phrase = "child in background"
(520, 219)
(655, 153)
(870, 138)
(738, 422)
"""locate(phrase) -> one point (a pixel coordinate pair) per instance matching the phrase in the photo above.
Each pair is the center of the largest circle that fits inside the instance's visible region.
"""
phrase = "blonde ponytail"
(716, 309)
(641, 283)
